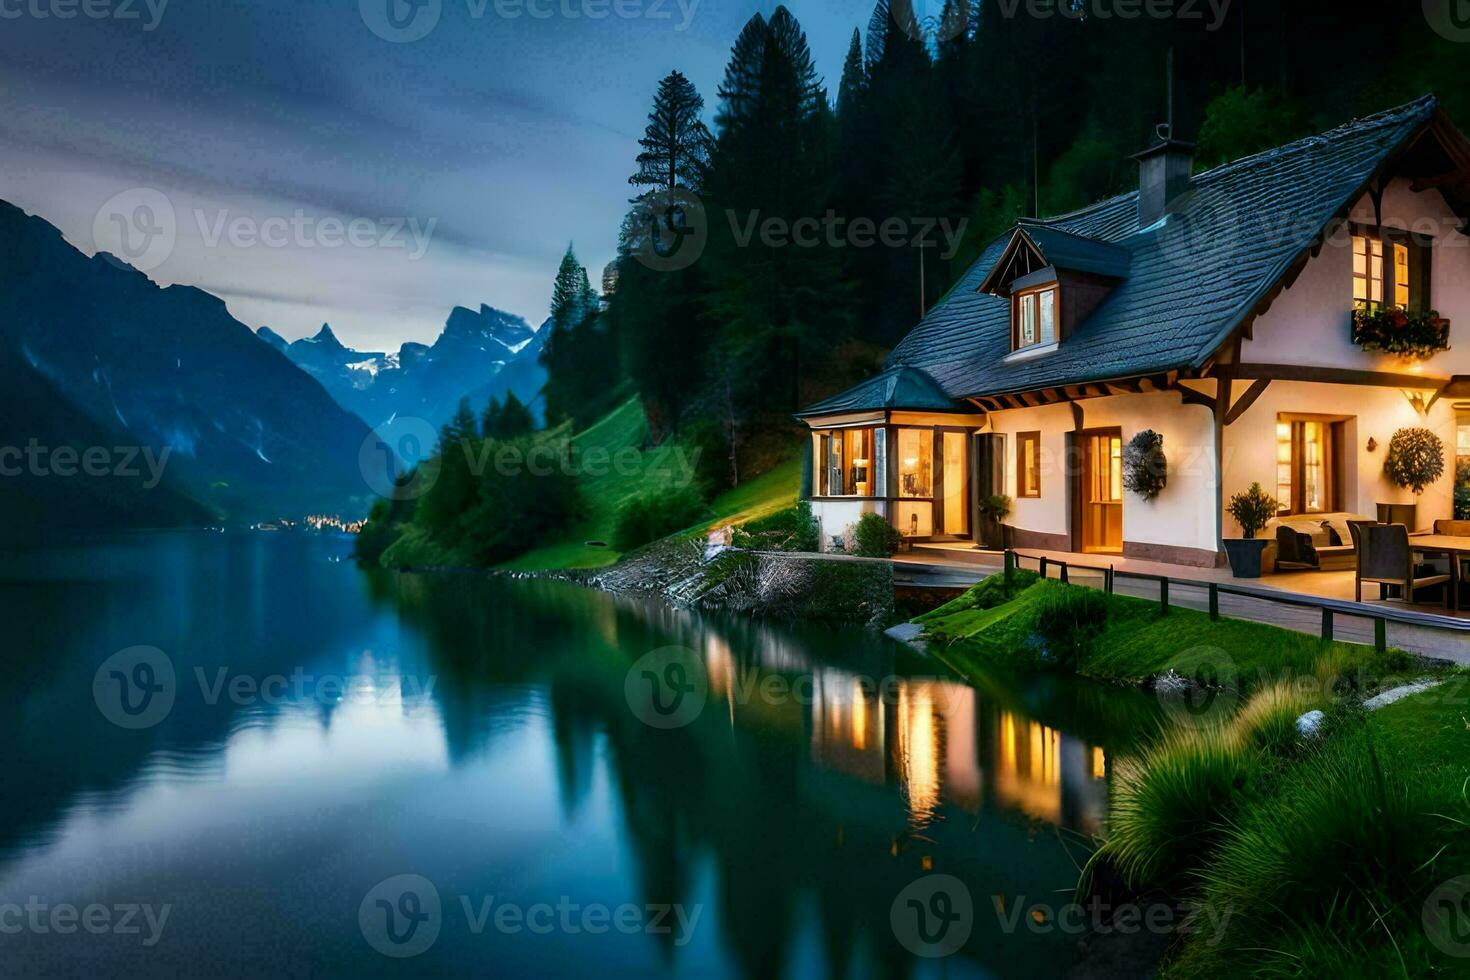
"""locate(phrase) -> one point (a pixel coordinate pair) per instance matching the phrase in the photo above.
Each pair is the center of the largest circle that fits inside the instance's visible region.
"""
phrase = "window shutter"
(1421, 252)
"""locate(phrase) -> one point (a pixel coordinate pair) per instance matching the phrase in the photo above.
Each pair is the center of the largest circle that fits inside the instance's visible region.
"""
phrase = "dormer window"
(1034, 317)
(1036, 266)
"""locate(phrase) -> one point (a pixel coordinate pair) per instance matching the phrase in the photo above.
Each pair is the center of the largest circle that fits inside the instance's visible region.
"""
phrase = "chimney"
(1163, 175)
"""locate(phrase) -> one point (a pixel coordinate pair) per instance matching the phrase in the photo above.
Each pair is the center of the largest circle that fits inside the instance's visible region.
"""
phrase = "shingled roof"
(897, 388)
(1191, 280)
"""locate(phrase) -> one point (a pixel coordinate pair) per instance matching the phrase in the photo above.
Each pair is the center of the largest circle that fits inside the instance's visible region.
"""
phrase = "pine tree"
(506, 420)
(854, 80)
(676, 144)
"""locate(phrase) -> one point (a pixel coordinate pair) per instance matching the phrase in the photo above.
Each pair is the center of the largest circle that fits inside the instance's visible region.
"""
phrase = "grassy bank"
(1316, 854)
(995, 624)
(626, 470)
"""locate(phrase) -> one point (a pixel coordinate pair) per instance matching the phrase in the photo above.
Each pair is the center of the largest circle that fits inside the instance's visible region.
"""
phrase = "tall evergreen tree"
(655, 315)
(578, 352)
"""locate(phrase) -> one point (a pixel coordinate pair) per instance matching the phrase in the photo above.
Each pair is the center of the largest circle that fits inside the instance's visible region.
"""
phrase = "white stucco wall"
(835, 517)
(1308, 324)
(1182, 516)
(1373, 413)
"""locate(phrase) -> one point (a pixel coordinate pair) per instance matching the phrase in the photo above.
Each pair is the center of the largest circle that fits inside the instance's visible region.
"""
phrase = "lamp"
(1418, 399)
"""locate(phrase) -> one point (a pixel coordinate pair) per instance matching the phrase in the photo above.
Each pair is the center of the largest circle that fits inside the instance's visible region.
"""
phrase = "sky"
(316, 161)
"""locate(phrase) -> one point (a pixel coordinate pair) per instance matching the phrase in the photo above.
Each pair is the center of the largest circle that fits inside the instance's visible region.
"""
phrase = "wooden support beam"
(1248, 399)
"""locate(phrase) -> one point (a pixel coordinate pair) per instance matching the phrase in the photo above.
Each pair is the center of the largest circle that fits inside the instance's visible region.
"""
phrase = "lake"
(240, 754)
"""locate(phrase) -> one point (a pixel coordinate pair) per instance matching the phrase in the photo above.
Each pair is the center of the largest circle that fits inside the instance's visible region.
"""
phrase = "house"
(1241, 313)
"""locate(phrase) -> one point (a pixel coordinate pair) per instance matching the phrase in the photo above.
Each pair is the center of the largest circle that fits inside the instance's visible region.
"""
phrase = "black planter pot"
(1245, 556)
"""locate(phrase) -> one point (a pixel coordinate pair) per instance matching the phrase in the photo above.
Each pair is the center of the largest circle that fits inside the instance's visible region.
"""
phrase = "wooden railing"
(1330, 608)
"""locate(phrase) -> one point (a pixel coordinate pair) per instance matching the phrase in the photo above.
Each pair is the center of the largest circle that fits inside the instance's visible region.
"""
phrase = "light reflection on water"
(488, 747)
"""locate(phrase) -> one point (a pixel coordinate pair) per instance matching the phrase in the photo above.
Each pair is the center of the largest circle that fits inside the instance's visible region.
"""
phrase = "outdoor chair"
(1387, 558)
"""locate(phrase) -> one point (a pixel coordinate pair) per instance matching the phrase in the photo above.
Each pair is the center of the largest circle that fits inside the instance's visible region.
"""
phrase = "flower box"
(1400, 331)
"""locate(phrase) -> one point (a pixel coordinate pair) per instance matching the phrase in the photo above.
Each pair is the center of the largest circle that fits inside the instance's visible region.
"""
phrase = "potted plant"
(994, 509)
(1410, 334)
(1415, 459)
(1251, 510)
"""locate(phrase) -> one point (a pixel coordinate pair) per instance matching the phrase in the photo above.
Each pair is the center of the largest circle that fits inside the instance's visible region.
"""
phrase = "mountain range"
(479, 355)
(95, 355)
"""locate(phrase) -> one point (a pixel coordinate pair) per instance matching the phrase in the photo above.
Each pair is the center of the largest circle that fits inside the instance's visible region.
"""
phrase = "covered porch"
(1425, 629)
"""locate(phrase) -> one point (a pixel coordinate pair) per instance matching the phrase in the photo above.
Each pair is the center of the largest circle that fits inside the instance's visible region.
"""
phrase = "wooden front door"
(1100, 490)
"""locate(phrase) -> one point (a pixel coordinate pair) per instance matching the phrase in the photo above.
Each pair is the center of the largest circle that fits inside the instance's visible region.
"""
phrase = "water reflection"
(488, 747)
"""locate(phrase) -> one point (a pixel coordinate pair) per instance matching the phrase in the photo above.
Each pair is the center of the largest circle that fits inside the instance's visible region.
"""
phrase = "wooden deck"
(1433, 633)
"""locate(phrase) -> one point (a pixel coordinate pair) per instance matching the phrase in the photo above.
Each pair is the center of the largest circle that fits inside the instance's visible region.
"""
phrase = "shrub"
(1342, 843)
(1171, 805)
(1145, 467)
(1462, 491)
(656, 514)
(1069, 619)
(875, 537)
(1252, 509)
(517, 510)
(1415, 459)
(792, 529)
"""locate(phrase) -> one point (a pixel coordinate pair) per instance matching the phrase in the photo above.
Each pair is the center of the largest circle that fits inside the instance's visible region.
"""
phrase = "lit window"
(1306, 482)
(1028, 464)
(1400, 274)
(915, 462)
(855, 462)
(1034, 315)
(1367, 270)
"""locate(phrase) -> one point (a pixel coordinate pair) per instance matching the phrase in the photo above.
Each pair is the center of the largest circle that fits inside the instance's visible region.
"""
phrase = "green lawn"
(1137, 643)
(660, 468)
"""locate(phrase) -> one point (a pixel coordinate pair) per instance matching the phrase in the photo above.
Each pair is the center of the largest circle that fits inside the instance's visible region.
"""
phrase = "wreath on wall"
(1145, 468)
(1415, 459)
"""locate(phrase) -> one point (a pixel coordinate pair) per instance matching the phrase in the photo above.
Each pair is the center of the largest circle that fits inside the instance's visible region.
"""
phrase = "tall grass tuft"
(1170, 805)
(1268, 720)
(1343, 845)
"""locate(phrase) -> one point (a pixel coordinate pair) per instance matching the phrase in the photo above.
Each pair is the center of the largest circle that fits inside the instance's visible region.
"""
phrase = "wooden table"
(1457, 547)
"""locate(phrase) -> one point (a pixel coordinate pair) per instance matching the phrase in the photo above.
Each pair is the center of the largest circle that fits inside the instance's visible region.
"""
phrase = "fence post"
(1326, 625)
(1164, 596)
(1042, 566)
(1064, 572)
(1380, 634)
(1214, 601)
(1108, 581)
